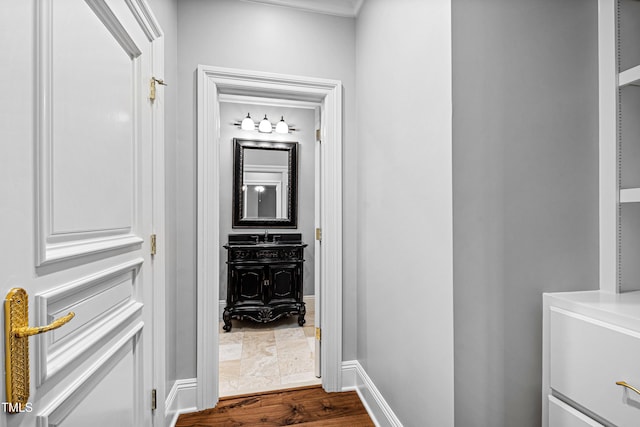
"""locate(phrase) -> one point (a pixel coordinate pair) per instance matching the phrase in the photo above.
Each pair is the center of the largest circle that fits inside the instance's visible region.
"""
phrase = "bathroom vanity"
(264, 279)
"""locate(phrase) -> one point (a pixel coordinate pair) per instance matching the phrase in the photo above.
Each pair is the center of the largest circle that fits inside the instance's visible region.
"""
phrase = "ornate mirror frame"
(290, 220)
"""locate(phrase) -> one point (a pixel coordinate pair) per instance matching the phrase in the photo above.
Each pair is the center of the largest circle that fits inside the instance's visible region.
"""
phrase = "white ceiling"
(348, 8)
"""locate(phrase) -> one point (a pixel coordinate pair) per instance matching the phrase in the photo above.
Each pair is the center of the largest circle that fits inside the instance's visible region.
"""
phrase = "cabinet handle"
(266, 283)
(624, 384)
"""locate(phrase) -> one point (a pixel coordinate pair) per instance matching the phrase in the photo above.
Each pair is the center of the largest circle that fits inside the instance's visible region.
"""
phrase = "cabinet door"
(248, 281)
(285, 282)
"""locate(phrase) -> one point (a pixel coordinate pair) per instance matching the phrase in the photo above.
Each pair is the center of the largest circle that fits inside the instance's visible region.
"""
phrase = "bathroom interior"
(267, 345)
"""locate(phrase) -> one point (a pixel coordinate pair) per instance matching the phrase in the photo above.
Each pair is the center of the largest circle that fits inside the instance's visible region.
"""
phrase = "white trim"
(317, 224)
(53, 246)
(331, 244)
(54, 252)
(354, 377)
(67, 400)
(51, 359)
(158, 261)
(115, 27)
(269, 102)
(208, 241)
(266, 168)
(345, 8)
(146, 19)
(608, 146)
(181, 399)
(328, 94)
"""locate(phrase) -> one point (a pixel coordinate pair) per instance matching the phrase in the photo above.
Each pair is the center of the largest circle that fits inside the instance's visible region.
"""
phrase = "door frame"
(211, 83)
(158, 261)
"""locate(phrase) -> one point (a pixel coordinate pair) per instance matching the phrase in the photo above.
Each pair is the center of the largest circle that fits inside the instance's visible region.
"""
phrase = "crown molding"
(345, 8)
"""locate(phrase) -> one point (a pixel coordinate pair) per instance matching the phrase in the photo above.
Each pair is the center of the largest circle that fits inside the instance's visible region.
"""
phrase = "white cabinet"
(591, 340)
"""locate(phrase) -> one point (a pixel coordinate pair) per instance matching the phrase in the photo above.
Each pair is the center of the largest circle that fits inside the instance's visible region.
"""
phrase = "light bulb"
(248, 123)
(265, 125)
(282, 126)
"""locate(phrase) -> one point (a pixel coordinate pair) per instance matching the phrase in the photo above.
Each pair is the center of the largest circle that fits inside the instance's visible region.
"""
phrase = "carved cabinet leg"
(303, 311)
(226, 316)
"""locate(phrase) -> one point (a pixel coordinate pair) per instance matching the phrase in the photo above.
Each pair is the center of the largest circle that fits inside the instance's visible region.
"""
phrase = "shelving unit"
(628, 145)
(630, 195)
(629, 77)
(591, 339)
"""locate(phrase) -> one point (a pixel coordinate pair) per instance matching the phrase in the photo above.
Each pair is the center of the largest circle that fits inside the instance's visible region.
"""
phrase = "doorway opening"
(214, 84)
(266, 344)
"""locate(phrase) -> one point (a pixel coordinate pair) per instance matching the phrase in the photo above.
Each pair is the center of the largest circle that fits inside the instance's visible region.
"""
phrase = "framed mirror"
(265, 184)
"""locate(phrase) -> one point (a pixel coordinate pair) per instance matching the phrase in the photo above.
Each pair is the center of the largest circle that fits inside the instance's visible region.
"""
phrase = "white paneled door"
(76, 208)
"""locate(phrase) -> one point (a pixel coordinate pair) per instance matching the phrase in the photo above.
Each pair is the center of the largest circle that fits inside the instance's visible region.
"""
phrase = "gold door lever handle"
(16, 336)
(624, 384)
(27, 331)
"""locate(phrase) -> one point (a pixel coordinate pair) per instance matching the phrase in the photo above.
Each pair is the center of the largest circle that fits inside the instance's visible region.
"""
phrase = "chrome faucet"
(266, 235)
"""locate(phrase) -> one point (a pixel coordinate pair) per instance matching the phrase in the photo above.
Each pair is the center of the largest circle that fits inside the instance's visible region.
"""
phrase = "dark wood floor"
(304, 406)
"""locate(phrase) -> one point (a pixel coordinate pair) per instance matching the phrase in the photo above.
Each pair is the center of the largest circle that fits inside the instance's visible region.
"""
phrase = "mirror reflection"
(264, 182)
(265, 179)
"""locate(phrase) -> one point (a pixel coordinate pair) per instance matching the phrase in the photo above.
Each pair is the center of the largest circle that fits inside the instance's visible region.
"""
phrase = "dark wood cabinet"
(264, 279)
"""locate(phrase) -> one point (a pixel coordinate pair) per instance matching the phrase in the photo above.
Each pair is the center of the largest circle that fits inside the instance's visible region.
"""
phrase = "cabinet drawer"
(587, 357)
(563, 415)
(258, 254)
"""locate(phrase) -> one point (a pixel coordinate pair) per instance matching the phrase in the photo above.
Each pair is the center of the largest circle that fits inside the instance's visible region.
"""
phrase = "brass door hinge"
(319, 234)
(153, 244)
(152, 87)
(154, 400)
(318, 135)
(318, 334)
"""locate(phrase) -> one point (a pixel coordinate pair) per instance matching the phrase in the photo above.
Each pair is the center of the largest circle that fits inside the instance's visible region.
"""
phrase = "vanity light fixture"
(265, 125)
(248, 123)
(282, 126)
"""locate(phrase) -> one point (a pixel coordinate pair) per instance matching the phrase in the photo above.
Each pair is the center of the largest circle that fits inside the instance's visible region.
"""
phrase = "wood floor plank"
(310, 406)
(350, 421)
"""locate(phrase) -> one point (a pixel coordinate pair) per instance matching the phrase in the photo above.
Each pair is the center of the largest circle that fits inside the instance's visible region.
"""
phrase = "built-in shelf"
(630, 195)
(629, 77)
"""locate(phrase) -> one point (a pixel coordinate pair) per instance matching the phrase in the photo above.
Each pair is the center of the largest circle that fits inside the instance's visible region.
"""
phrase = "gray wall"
(405, 254)
(218, 32)
(304, 121)
(166, 11)
(524, 182)
(525, 192)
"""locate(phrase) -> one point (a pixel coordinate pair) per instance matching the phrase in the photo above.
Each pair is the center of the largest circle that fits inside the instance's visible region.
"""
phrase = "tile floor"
(260, 357)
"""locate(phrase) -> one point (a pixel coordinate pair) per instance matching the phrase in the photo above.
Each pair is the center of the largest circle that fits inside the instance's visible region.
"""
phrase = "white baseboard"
(354, 377)
(181, 399)
(309, 300)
